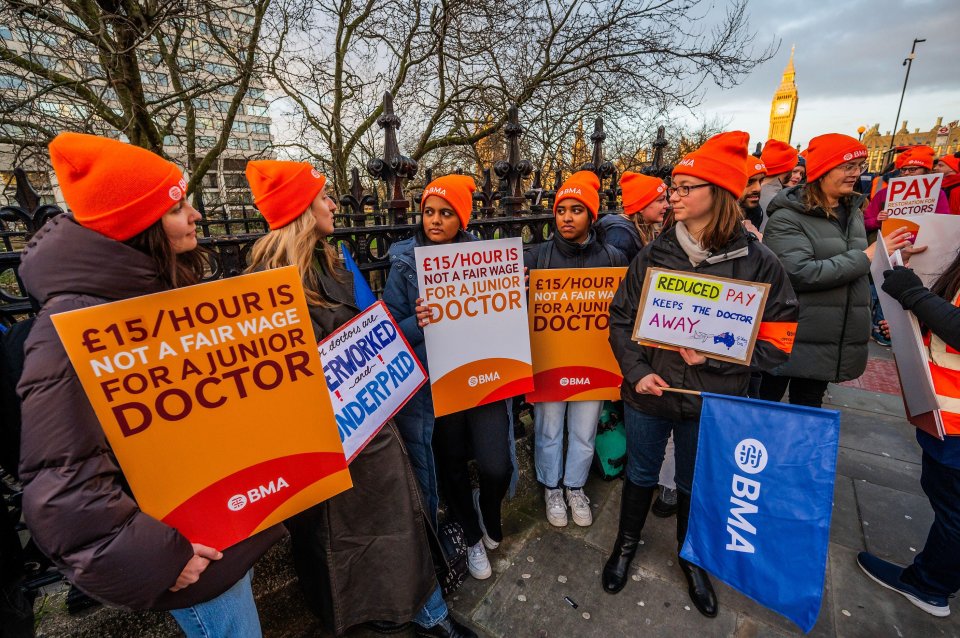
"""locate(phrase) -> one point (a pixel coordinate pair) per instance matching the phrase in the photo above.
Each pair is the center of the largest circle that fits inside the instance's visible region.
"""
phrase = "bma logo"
(568, 191)
(751, 456)
(238, 501)
(848, 157)
(565, 381)
(316, 174)
(480, 379)
(758, 167)
(687, 161)
(436, 190)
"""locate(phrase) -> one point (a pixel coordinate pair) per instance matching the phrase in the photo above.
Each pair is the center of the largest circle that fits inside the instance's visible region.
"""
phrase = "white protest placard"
(718, 317)
(939, 233)
(371, 372)
(913, 195)
(909, 352)
(478, 344)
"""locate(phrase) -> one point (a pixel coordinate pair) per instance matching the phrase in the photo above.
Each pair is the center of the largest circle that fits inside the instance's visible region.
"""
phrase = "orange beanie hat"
(113, 188)
(283, 190)
(584, 187)
(779, 157)
(952, 161)
(916, 156)
(830, 150)
(639, 191)
(456, 190)
(755, 166)
(722, 161)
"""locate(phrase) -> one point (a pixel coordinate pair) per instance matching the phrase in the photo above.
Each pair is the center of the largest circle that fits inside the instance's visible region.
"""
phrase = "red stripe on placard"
(550, 384)
(507, 390)
(228, 511)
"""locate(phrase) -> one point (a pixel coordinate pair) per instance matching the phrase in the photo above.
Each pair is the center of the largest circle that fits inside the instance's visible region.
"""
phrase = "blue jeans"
(936, 569)
(581, 419)
(646, 441)
(232, 613)
(434, 611)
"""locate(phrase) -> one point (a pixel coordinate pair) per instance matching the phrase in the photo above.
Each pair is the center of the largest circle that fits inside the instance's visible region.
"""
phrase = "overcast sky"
(849, 66)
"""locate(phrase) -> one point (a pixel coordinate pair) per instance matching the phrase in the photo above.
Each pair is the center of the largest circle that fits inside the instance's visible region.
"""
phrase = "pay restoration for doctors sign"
(478, 345)
(214, 402)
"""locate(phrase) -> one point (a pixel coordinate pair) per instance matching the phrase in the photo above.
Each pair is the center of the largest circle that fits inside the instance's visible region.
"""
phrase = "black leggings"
(802, 391)
(485, 431)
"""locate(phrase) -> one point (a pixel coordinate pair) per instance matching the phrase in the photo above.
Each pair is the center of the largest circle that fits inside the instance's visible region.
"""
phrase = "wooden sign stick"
(681, 391)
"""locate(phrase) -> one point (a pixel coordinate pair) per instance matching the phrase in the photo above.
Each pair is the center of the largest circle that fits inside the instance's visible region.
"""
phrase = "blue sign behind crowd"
(762, 499)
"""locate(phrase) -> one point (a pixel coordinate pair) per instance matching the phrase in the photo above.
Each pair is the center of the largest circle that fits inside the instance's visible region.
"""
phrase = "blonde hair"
(648, 232)
(295, 245)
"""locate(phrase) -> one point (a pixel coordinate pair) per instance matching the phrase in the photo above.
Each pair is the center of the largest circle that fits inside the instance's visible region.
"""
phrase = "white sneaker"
(489, 543)
(477, 562)
(580, 507)
(556, 508)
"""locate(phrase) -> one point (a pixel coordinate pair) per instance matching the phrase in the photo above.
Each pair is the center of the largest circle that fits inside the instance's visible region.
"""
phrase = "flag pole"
(681, 391)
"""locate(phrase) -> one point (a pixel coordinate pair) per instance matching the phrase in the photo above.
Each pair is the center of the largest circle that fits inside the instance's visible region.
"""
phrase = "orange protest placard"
(569, 331)
(214, 402)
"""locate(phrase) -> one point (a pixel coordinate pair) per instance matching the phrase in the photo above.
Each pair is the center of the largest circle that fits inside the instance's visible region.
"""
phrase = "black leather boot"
(634, 504)
(698, 582)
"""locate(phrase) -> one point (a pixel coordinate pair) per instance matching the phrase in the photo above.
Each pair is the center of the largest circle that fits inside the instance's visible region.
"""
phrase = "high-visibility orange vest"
(877, 185)
(945, 369)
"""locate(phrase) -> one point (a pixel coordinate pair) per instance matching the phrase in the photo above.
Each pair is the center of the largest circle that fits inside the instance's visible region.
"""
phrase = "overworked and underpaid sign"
(213, 400)
(718, 317)
(478, 345)
(569, 334)
(371, 373)
(913, 195)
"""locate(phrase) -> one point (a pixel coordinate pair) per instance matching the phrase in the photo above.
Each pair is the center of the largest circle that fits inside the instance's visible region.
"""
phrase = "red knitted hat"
(831, 150)
(456, 190)
(639, 191)
(113, 188)
(584, 187)
(916, 156)
(721, 161)
(283, 190)
(952, 161)
(779, 157)
(755, 166)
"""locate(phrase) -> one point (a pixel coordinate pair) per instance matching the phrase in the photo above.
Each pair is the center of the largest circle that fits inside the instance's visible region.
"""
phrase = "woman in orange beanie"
(130, 232)
(644, 205)
(817, 231)
(362, 556)
(575, 244)
(440, 448)
(707, 238)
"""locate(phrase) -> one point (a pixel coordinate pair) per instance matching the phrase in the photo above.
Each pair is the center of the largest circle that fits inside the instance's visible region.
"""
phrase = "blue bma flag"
(762, 499)
(361, 289)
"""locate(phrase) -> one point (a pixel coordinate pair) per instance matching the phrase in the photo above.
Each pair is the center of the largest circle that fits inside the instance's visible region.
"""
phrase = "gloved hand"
(903, 285)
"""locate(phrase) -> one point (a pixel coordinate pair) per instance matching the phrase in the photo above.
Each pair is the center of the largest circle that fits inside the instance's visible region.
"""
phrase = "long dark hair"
(948, 284)
(175, 270)
(726, 219)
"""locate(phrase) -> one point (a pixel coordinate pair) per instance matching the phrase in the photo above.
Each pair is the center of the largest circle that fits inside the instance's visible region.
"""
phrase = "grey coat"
(829, 272)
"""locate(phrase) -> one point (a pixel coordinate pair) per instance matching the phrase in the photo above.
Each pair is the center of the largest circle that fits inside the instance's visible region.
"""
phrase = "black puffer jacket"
(828, 269)
(743, 258)
(561, 253)
(621, 233)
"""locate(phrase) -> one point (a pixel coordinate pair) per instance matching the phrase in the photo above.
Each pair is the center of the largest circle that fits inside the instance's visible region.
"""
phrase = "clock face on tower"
(782, 108)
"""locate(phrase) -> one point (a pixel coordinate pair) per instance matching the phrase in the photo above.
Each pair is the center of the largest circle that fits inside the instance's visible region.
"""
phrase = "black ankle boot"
(634, 504)
(698, 582)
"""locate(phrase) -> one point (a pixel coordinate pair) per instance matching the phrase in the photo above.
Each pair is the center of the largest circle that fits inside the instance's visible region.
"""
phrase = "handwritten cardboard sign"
(913, 195)
(569, 332)
(371, 373)
(718, 317)
(478, 345)
(213, 400)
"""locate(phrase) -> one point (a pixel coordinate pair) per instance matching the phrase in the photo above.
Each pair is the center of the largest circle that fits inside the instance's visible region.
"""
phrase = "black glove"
(903, 285)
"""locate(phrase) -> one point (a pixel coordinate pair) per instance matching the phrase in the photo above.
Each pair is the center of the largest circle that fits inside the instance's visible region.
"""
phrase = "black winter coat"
(743, 258)
(561, 253)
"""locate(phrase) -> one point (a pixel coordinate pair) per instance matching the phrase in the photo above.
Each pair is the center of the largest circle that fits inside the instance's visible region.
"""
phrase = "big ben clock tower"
(783, 109)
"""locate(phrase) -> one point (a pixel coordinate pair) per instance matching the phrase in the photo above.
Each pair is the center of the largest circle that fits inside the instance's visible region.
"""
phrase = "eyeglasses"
(852, 168)
(683, 191)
